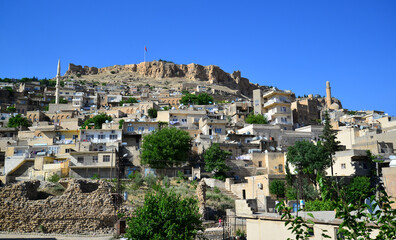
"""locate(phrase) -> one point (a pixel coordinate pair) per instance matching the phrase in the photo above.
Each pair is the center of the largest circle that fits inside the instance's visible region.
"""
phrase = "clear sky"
(296, 45)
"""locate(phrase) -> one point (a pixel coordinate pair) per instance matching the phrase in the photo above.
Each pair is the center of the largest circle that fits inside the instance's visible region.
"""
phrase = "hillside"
(166, 73)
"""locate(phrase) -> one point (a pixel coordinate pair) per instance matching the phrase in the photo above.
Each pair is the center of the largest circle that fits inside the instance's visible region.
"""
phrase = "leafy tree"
(129, 100)
(152, 113)
(166, 147)
(62, 100)
(277, 187)
(309, 159)
(189, 99)
(200, 99)
(330, 144)
(18, 121)
(359, 189)
(215, 161)
(121, 123)
(165, 216)
(204, 99)
(97, 121)
(256, 119)
(11, 109)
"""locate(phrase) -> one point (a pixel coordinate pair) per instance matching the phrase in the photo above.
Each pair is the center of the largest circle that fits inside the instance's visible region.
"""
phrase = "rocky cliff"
(160, 69)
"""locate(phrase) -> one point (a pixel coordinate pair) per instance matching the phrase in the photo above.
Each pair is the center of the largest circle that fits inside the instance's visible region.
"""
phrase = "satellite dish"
(272, 148)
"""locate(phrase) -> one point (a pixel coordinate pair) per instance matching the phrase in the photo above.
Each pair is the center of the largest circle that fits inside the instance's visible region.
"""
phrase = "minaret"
(57, 84)
(328, 94)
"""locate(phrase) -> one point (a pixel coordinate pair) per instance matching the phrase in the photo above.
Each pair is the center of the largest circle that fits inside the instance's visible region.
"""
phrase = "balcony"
(275, 100)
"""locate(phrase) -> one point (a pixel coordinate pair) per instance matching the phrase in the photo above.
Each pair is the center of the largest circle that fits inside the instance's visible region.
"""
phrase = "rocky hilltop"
(160, 69)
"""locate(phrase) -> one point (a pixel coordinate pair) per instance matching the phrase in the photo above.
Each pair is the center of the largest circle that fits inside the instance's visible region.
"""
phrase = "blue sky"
(296, 45)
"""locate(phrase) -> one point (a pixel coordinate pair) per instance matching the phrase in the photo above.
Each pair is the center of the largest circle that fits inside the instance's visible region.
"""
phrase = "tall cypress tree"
(328, 137)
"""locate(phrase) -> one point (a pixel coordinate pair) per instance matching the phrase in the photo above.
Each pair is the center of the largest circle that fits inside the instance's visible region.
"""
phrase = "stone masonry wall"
(85, 207)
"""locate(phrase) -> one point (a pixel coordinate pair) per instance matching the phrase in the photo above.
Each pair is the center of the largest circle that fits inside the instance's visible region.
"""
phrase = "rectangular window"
(343, 166)
(184, 120)
(113, 137)
(280, 168)
(101, 136)
(130, 129)
(140, 129)
(106, 158)
(283, 109)
(151, 129)
(217, 130)
(260, 164)
(80, 159)
(90, 137)
(95, 159)
(67, 150)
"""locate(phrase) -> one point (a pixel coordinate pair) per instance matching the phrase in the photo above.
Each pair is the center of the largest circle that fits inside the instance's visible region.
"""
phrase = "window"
(280, 168)
(95, 159)
(106, 158)
(151, 129)
(343, 166)
(184, 120)
(283, 109)
(113, 137)
(101, 136)
(67, 150)
(217, 130)
(260, 164)
(89, 137)
(80, 159)
(140, 129)
(130, 129)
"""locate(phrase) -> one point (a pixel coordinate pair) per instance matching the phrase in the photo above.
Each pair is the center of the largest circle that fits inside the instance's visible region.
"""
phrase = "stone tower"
(328, 94)
(57, 84)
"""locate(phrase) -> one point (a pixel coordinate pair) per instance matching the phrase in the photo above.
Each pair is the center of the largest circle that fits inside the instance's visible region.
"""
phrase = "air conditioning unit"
(260, 185)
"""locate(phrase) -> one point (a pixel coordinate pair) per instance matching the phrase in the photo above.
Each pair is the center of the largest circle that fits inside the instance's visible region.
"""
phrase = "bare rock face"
(85, 207)
(159, 69)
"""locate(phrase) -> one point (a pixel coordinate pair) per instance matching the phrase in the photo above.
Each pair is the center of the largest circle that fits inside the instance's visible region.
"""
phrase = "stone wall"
(84, 207)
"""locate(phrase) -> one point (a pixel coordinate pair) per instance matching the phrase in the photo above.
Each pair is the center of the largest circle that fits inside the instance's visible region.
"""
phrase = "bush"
(216, 190)
(95, 176)
(181, 176)
(277, 187)
(137, 180)
(166, 182)
(54, 178)
(319, 205)
(150, 180)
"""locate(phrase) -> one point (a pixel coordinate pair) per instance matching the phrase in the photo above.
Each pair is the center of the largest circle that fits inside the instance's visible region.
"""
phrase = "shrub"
(54, 178)
(137, 180)
(95, 176)
(166, 182)
(216, 190)
(150, 180)
(319, 205)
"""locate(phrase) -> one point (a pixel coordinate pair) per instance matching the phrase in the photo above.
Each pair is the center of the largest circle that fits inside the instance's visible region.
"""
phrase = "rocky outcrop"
(85, 207)
(159, 69)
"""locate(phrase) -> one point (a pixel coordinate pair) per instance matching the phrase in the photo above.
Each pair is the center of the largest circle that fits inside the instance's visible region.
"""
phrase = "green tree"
(200, 99)
(165, 216)
(152, 113)
(62, 100)
(256, 119)
(277, 187)
(166, 147)
(359, 189)
(97, 121)
(204, 99)
(18, 121)
(215, 161)
(328, 137)
(129, 100)
(11, 109)
(308, 159)
(121, 123)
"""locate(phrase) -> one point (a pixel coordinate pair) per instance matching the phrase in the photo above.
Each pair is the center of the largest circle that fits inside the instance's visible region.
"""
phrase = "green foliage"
(9, 89)
(11, 109)
(104, 84)
(18, 121)
(152, 113)
(166, 147)
(62, 100)
(129, 100)
(359, 189)
(240, 233)
(112, 72)
(181, 176)
(215, 161)
(166, 108)
(166, 182)
(329, 136)
(54, 178)
(352, 112)
(150, 180)
(95, 176)
(277, 187)
(121, 123)
(200, 99)
(216, 190)
(305, 190)
(161, 125)
(165, 215)
(308, 158)
(137, 180)
(319, 205)
(97, 121)
(256, 119)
